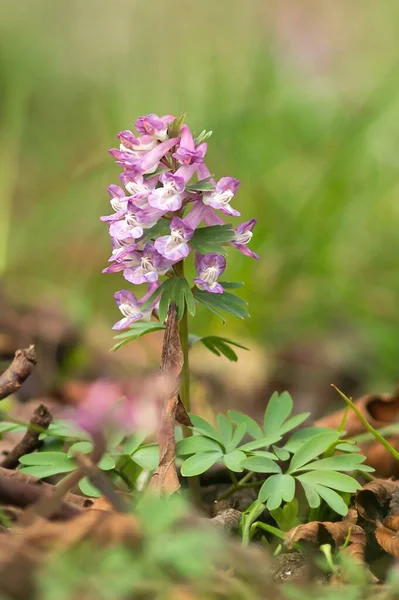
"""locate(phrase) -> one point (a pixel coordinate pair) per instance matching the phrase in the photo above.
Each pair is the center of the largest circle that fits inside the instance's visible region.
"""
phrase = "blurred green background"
(302, 97)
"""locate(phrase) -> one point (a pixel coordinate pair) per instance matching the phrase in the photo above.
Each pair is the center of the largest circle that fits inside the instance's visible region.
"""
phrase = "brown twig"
(18, 371)
(22, 494)
(40, 420)
(27, 483)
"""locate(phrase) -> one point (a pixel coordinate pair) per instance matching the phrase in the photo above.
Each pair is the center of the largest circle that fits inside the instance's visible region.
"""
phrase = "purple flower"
(155, 126)
(199, 213)
(174, 246)
(147, 162)
(123, 259)
(220, 197)
(134, 145)
(242, 236)
(187, 153)
(209, 268)
(169, 197)
(146, 266)
(134, 222)
(131, 308)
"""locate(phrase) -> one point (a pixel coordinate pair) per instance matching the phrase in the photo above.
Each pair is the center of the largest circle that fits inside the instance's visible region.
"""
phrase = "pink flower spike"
(155, 126)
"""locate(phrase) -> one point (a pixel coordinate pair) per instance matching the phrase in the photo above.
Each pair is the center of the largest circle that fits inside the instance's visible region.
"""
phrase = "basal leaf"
(47, 458)
(257, 444)
(311, 494)
(133, 442)
(85, 447)
(199, 463)
(147, 457)
(225, 428)
(233, 460)
(276, 489)
(106, 463)
(298, 438)
(238, 434)
(88, 489)
(277, 411)
(252, 427)
(205, 428)
(333, 499)
(312, 448)
(260, 464)
(293, 422)
(337, 481)
(195, 444)
(336, 463)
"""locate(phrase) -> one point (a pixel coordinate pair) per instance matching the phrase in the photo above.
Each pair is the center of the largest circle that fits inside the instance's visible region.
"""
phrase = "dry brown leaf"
(372, 501)
(331, 533)
(387, 539)
(380, 411)
(165, 479)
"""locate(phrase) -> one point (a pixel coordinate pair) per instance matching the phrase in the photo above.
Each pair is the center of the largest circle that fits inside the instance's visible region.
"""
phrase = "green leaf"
(135, 331)
(276, 489)
(199, 463)
(205, 428)
(281, 453)
(85, 447)
(237, 437)
(278, 409)
(88, 489)
(231, 285)
(252, 427)
(337, 463)
(203, 185)
(41, 471)
(106, 463)
(47, 458)
(159, 229)
(195, 444)
(177, 290)
(312, 496)
(256, 444)
(225, 428)
(147, 457)
(293, 422)
(300, 437)
(222, 302)
(175, 125)
(347, 447)
(233, 460)
(260, 464)
(337, 481)
(264, 454)
(312, 448)
(6, 427)
(219, 345)
(333, 500)
(202, 137)
(210, 239)
(133, 442)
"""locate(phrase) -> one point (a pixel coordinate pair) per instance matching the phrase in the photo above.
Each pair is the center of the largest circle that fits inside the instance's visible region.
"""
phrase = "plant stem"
(236, 486)
(185, 373)
(367, 425)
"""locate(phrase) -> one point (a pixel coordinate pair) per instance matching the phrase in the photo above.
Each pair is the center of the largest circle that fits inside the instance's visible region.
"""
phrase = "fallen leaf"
(373, 500)
(387, 539)
(336, 534)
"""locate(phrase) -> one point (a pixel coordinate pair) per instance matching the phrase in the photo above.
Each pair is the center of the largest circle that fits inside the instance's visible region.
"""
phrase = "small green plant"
(307, 457)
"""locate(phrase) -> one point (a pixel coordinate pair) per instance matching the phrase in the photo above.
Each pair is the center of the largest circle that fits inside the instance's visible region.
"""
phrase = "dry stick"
(19, 370)
(28, 482)
(39, 422)
(22, 494)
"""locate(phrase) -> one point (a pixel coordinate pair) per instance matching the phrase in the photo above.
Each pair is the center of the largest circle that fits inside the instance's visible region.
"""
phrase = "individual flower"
(147, 162)
(154, 126)
(242, 236)
(131, 308)
(209, 268)
(134, 222)
(146, 266)
(139, 188)
(187, 153)
(122, 259)
(220, 197)
(170, 196)
(201, 212)
(174, 246)
(136, 146)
